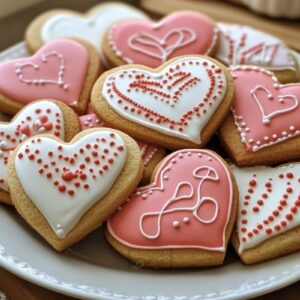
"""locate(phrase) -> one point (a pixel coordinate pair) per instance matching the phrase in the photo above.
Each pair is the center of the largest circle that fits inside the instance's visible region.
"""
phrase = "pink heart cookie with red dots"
(39, 117)
(70, 179)
(265, 112)
(169, 106)
(189, 205)
(269, 204)
(57, 71)
(151, 44)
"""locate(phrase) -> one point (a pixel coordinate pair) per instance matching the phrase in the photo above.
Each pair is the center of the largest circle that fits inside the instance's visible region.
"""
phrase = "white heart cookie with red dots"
(268, 211)
(43, 116)
(178, 105)
(73, 182)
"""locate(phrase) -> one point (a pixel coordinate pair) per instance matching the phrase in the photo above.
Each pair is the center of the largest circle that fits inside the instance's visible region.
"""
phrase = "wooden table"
(18, 289)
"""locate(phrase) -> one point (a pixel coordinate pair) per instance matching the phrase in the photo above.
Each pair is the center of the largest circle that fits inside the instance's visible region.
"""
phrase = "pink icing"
(56, 71)
(187, 206)
(92, 121)
(151, 44)
(265, 112)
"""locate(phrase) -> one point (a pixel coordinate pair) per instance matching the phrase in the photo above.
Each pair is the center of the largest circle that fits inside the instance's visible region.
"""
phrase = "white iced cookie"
(268, 219)
(244, 45)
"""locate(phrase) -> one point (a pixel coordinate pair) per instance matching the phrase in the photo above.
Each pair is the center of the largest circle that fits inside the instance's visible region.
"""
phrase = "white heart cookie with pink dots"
(269, 202)
(65, 180)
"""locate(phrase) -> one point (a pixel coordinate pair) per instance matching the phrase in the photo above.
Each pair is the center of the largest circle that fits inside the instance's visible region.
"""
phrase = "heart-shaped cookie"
(45, 116)
(76, 185)
(189, 209)
(243, 45)
(90, 27)
(151, 154)
(180, 104)
(151, 44)
(265, 113)
(268, 219)
(63, 70)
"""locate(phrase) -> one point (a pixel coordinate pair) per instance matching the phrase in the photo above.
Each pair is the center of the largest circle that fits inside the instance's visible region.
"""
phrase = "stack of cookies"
(112, 120)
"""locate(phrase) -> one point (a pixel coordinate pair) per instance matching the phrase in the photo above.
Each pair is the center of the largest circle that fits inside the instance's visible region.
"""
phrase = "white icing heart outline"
(159, 43)
(44, 58)
(266, 117)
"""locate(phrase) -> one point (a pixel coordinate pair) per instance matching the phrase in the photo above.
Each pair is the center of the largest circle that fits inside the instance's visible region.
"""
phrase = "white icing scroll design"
(266, 117)
(211, 174)
(141, 42)
(40, 81)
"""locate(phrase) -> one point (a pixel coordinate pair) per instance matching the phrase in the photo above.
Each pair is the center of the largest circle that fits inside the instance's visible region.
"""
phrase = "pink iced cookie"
(57, 71)
(151, 44)
(266, 113)
(190, 205)
(151, 154)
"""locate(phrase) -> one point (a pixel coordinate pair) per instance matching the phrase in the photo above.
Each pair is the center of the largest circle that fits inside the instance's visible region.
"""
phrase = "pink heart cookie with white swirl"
(268, 222)
(153, 43)
(265, 125)
(40, 117)
(77, 185)
(151, 154)
(178, 105)
(184, 218)
(63, 70)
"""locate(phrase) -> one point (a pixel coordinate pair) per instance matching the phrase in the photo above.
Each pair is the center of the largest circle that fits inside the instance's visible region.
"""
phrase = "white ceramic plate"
(92, 270)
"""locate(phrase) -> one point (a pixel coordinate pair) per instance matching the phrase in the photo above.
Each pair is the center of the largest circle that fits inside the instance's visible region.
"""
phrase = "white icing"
(44, 57)
(211, 174)
(270, 204)
(268, 51)
(61, 210)
(137, 42)
(173, 109)
(90, 28)
(266, 117)
(35, 126)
